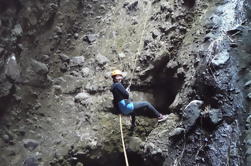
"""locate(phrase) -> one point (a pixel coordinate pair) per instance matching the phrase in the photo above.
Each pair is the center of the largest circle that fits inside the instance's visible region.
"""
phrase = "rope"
(130, 82)
(123, 142)
(140, 43)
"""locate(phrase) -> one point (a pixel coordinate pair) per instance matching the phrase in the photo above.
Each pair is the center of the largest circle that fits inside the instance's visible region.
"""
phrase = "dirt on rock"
(188, 58)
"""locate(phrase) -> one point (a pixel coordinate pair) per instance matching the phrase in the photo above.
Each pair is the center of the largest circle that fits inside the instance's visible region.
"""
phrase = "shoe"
(162, 118)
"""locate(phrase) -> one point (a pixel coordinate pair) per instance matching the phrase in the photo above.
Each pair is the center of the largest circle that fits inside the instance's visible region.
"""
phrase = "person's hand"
(128, 89)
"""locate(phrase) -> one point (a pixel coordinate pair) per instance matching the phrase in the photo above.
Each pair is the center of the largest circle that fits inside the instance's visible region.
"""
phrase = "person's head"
(117, 76)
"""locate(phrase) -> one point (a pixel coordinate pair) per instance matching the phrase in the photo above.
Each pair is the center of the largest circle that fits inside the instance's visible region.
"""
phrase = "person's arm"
(123, 91)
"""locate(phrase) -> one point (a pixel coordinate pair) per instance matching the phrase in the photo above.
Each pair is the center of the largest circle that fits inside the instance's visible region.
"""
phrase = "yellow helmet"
(116, 72)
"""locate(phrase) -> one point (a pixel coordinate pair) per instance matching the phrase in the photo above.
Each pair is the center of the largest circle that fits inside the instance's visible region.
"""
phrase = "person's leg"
(145, 104)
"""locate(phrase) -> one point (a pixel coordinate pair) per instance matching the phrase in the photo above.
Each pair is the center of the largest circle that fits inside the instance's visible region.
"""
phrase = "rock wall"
(187, 57)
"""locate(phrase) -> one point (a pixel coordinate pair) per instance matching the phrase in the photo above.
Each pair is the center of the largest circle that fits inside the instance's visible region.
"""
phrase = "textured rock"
(220, 59)
(81, 96)
(12, 69)
(30, 144)
(249, 96)
(90, 38)
(77, 61)
(191, 113)
(215, 116)
(135, 144)
(101, 59)
(17, 30)
(85, 71)
(176, 132)
(64, 57)
(247, 84)
(39, 68)
(30, 161)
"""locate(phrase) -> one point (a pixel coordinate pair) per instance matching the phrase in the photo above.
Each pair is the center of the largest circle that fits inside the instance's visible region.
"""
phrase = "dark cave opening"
(189, 3)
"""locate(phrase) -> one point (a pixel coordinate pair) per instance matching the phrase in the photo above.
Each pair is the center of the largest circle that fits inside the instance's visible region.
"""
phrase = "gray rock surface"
(191, 113)
(77, 61)
(30, 144)
(101, 59)
(39, 67)
(12, 69)
(220, 59)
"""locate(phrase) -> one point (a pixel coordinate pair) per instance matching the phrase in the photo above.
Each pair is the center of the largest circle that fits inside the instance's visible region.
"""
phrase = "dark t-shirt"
(119, 92)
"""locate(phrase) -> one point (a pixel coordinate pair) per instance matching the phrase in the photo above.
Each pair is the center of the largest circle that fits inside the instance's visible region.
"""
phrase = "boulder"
(12, 69)
(82, 98)
(133, 6)
(90, 38)
(220, 59)
(215, 116)
(176, 132)
(249, 96)
(30, 161)
(135, 144)
(85, 71)
(101, 59)
(17, 31)
(39, 68)
(30, 144)
(77, 61)
(64, 57)
(191, 113)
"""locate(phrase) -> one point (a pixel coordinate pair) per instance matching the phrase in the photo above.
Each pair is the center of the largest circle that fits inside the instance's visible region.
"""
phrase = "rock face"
(191, 113)
(55, 64)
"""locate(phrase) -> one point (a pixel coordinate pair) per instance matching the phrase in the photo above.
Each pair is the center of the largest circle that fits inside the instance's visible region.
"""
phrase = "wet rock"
(17, 31)
(64, 57)
(135, 144)
(249, 96)
(247, 84)
(90, 38)
(191, 113)
(85, 71)
(221, 59)
(30, 144)
(101, 59)
(177, 132)
(77, 61)
(39, 68)
(12, 69)
(215, 116)
(30, 161)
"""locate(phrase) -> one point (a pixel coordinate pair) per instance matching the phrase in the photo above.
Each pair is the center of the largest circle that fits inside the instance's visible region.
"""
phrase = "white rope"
(123, 142)
(130, 82)
(140, 43)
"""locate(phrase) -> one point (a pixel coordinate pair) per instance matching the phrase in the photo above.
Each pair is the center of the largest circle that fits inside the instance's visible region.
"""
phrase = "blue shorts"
(125, 106)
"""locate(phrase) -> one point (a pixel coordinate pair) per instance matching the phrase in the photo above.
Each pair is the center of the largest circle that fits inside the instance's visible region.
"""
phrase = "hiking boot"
(162, 118)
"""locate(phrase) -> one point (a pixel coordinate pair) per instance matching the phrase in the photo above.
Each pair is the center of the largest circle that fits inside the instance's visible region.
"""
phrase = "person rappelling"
(124, 105)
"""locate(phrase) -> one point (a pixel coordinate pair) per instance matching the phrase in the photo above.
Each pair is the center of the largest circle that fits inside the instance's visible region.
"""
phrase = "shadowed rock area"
(189, 58)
